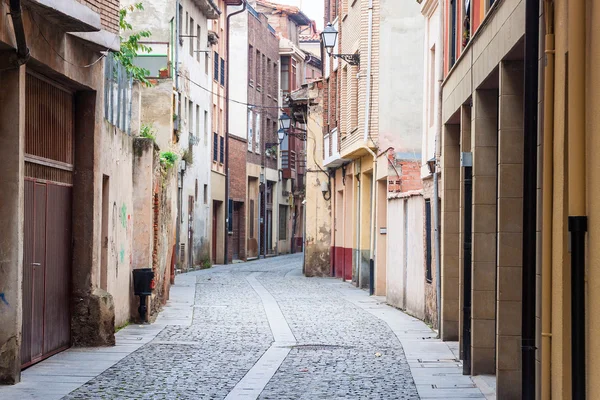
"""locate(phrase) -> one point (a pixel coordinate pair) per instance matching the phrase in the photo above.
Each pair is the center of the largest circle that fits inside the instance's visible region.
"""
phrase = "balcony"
(288, 164)
(209, 8)
(331, 143)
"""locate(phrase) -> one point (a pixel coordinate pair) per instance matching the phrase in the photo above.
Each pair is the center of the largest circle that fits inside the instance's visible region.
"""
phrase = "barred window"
(215, 146)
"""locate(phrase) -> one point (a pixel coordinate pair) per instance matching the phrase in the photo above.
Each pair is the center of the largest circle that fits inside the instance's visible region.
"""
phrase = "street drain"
(319, 347)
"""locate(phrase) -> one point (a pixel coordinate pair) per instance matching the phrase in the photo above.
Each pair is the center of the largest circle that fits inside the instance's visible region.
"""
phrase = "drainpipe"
(366, 140)
(177, 108)
(547, 203)
(226, 249)
(358, 196)
(576, 12)
(530, 134)
(21, 55)
(437, 148)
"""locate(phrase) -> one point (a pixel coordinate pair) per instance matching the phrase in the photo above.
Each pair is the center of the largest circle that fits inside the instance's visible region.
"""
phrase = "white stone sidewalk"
(64, 372)
(434, 364)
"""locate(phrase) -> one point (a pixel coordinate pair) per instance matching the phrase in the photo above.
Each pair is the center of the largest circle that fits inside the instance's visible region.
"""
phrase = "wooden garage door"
(47, 240)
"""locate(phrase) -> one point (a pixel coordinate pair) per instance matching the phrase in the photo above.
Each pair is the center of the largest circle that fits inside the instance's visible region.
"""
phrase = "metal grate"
(320, 347)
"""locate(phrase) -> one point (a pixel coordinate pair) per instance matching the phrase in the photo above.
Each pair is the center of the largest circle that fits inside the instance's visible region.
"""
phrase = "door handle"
(36, 264)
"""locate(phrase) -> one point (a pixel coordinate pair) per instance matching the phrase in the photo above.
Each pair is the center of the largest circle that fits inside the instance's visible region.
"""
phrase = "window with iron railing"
(222, 72)
(216, 71)
(215, 146)
(222, 150)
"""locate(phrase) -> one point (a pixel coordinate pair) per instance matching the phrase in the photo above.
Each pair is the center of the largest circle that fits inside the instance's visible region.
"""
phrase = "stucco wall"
(406, 272)
(117, 160)
(400, 96)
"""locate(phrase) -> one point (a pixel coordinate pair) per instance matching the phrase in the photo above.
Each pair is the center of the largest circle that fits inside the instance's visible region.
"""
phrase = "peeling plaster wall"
(117, 160)
(317, 208)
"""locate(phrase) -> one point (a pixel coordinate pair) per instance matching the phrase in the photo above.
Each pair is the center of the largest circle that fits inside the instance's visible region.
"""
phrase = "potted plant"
(163, 72)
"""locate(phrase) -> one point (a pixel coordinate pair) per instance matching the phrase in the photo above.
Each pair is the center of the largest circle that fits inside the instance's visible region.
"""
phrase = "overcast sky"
(312, 8)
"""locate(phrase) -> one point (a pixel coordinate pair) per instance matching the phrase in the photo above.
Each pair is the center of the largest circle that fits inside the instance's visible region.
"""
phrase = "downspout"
(547, 203)
(22, 54)
(226, 249)
(177, 108)
(366, 140)
(530, 140)
(576, 32)
(437, 148)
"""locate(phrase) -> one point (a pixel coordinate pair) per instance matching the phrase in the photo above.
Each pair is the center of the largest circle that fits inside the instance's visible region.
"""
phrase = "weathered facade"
(287, 22)
(181, 48)
(307, 104)
(67, 118)
(373, 137)
(253, 139)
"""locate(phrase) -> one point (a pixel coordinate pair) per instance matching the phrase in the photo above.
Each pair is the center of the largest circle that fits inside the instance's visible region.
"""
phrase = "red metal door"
(47, 220)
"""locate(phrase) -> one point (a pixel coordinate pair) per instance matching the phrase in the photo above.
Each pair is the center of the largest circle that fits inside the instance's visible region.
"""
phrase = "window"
(198, 34)
(205, 127)
(282, 222)
(250, 129)
(257, 67)
(428, 274)
(257, 135)
(190, 118)
(294, 81)
(285, 74)
(191, 39)
(222, 72)
(432, 83)
(184, 117)
(187, 24)
(222, 152)
(216, 72)
(230, 216)
(206, 57)
(251, 212)
(251, 65)
(274, 131)
(197, 123)
(196, 191)
(354, 100)
(452, 44)
(205, 194)
(215, 146)
(180, 22)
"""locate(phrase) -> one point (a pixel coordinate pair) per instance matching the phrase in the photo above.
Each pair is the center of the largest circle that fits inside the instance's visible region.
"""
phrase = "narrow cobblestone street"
(262, 330)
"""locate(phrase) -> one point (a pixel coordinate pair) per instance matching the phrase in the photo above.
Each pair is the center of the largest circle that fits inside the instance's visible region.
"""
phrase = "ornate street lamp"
(285, 122)
(329, 38)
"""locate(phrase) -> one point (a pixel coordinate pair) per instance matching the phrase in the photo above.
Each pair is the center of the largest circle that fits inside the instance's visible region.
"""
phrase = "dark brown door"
(46, 270)
(190, 231)
(214, 233)
(47, 220)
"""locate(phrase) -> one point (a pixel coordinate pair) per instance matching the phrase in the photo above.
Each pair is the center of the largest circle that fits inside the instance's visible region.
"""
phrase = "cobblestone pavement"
(341, 351)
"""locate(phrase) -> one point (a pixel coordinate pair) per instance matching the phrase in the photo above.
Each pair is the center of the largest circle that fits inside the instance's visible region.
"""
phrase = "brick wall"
(108, 10)
(263, 93)
(237, 168)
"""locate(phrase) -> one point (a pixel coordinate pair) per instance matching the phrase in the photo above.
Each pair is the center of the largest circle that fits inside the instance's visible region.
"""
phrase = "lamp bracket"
(352, 59)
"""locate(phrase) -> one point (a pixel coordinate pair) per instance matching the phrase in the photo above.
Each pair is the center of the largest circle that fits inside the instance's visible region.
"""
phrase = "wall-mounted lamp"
(329, 38)
(431, 165)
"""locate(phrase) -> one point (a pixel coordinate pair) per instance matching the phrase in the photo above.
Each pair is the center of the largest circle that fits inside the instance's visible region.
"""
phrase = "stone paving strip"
(65, 372)
(261, 330)
(253, 383)
(436, 370)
